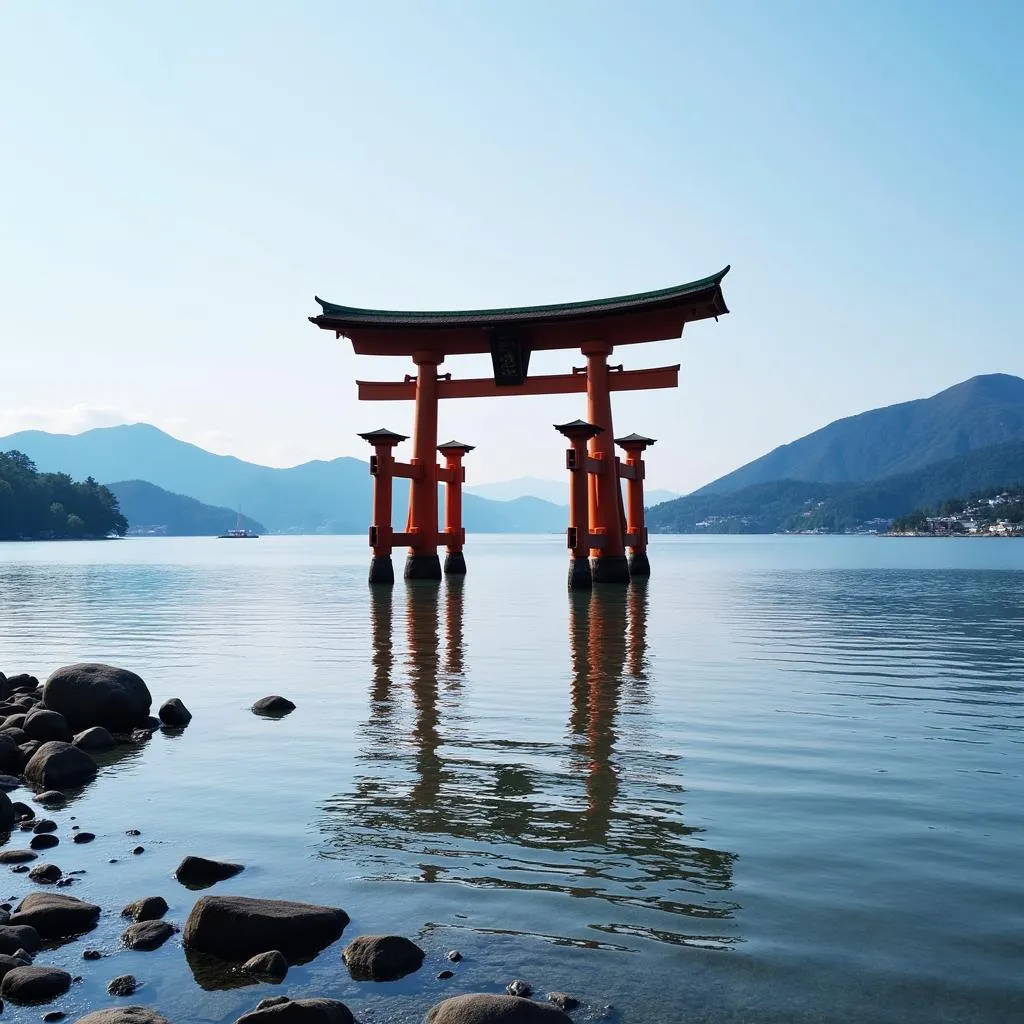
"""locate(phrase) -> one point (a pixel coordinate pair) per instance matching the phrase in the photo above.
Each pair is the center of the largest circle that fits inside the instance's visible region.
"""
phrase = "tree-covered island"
(52, 506)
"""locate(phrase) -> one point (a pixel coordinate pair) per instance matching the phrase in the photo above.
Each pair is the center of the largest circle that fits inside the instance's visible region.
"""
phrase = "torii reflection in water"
(454, 807)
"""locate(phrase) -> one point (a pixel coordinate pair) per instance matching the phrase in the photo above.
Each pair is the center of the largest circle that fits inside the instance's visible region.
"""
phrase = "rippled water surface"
(781, 782)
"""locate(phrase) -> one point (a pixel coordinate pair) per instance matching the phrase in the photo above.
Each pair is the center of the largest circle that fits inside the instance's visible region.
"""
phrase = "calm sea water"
(781, 782)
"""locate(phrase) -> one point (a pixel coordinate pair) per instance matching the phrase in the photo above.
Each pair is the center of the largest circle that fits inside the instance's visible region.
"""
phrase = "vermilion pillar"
(608, 561)
(382, 469)
(634, 446)
(454, 476)
(578, 538)
(422, 562)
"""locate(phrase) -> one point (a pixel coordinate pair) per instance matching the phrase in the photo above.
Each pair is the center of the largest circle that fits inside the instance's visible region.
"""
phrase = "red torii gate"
(599, 530)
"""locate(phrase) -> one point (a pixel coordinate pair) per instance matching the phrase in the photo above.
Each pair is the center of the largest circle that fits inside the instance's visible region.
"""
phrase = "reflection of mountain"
(595, 818)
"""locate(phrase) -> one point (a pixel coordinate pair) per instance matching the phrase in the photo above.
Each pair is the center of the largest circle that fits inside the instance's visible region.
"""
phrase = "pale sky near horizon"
(177, 181)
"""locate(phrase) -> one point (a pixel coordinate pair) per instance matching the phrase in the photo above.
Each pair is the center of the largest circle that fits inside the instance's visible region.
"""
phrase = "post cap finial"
(455, 446)
(635, 441)
(383, 436)
(578, 429)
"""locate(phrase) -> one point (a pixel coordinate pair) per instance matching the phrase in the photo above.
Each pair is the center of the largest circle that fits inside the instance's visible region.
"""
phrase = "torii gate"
(599, 529)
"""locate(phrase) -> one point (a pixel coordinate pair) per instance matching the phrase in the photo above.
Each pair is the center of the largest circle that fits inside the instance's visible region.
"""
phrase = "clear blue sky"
(178, 180)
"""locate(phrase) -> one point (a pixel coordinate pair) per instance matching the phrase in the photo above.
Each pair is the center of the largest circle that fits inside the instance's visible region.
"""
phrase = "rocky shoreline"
(48, 735)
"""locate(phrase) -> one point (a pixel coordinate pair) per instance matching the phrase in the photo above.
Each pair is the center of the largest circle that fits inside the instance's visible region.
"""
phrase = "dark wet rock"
(34, 984)
(56, 916)
(46, 874)
(271, 966)
(94, 694)
(15, 721)
(140, 736)
(23, 956)
(83, 837)
(563, 1000)
(5, 915)
(17, 856)
(54, 1015)
(57, 764)
(480, 1008)
(44, 825)
(52, 798)
(382, 957)
(149, 908)
(44, 841)
(272, 1001)
(94, 738)
(301, 1011)
(22, 682)
(147, 935)
(200, 872)
(19, 869)
(27, 751)
(133, 832)
(174, 714)
(16, 736)
(9, 782)
(9, 962)
(63, 883)
(274, 706)
(141, 849)
(519, 988)
(239, 927)
(445, 975)
(92, 954)
(123, 1015)
(43, 724)
(454, 955)
(6, 813)
(123, 985)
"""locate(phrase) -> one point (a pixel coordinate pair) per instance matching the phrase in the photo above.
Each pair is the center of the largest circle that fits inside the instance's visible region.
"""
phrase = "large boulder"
(54, 915)
(301, 1011)
(382, 957)
(124, 1015)
(489, 1009)
(56, 765)
(94, 694)
(201, 872)
(43, 724)
(34, 984)
(239, 927)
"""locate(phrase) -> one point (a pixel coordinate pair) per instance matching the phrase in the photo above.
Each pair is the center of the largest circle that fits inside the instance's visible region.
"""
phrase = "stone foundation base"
(381, 569)
(580, 577)
(422, 567)
(638, 564)
(454, 564)
(610, 569)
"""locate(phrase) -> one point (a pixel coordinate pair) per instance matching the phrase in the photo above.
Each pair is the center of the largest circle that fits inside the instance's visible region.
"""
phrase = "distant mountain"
(152, 510)
(315, 497)
(980, 412)
(555, 491)
(791, 505)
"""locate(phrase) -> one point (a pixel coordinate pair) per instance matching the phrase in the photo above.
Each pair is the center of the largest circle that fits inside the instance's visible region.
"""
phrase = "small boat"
(239, 532)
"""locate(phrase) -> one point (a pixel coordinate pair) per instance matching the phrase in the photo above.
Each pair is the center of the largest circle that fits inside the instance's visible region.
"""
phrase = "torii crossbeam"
(510, 335)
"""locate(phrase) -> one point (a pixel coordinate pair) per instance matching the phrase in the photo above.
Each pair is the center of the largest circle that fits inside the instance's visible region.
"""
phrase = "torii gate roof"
(622, 320)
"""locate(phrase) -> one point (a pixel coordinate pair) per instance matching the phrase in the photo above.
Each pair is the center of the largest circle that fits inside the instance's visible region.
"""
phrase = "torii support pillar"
(636, 531)
(578, 535)
(422, 562)
(453, 475)
(382, 469)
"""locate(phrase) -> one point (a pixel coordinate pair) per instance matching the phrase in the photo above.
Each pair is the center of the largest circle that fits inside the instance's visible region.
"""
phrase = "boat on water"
(238, 532)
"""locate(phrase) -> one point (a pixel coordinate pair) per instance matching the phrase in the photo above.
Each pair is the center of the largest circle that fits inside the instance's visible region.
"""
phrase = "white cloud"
(73, 420)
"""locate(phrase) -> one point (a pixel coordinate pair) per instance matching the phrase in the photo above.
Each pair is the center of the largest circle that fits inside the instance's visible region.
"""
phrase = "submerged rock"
(44, 825)
(57, 764)
(271, 965)
(34, 984)
(147, 935)
(563, 1000)
(55, 916)
(95, 694)
(301, 1011)
(382, 957)
(174, 714)
(274, 706)
(44, 841)
(46, 874)
(239, 927)
(123, 985)
(52, 798)
(124, 1015)
(149, 908)
(200, 872)
(519, 988)
(490, 1009)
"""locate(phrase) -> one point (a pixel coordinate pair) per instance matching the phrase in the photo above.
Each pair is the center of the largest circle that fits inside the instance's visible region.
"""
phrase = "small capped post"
(382, 469)
(578, 538)
(634, 471)
(454, 475)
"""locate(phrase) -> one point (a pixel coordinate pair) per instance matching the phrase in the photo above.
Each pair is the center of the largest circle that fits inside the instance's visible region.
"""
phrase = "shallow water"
(782, 782)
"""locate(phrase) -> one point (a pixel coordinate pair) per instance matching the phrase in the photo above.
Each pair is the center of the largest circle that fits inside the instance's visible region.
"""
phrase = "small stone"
(95, 738)
(274, 706)
(123, 985)
(519, 988)
(174, 714)
(83, 837)
(150, 908)
(563, 1000)
(138, 850)
(201, 872)
(381, 957)
(54, 1015)
(133, 832)
(19, 869)
(92, 954)
(22, 810)
(63, 883)
(445, 975)
(271, 965)
(45, 841)
(47, 874)
(454, 955)
(44, 825)
(147, 935)
(113, 860)
(52, 798)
